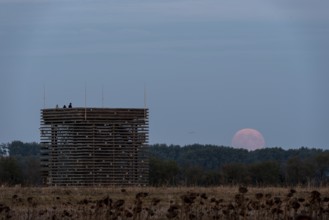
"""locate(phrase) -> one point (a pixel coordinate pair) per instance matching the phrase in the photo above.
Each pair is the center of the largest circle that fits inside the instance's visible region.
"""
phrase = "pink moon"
(249, 139)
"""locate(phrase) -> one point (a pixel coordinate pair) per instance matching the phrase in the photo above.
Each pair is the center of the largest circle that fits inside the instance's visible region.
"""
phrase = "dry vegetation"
(164, 203)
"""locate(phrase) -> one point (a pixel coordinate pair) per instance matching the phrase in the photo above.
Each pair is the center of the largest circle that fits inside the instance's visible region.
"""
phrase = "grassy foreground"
(164, 203)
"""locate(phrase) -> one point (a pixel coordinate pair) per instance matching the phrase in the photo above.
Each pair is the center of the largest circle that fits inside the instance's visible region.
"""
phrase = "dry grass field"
(164, 203)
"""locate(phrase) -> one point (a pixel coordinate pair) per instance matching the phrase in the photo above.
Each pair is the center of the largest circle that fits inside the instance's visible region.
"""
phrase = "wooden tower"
(94, 146)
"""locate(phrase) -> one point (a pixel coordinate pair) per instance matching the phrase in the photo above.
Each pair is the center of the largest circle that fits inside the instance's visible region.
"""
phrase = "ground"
(163, 203)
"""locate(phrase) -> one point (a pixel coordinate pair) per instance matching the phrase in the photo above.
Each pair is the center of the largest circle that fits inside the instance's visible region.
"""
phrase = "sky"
(209, 67)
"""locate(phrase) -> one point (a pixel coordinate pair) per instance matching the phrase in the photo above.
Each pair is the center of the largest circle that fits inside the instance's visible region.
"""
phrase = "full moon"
(249, 139)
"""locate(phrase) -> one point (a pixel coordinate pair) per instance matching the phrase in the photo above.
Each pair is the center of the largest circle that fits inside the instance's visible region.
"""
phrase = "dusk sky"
(210, 67)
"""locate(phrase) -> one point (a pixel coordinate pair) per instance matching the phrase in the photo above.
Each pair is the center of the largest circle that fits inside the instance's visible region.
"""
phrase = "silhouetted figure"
(70, 105)
(56, 106)
(64, 106)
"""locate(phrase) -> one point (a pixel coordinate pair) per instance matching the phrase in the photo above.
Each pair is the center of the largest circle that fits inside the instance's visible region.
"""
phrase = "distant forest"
(194, 165)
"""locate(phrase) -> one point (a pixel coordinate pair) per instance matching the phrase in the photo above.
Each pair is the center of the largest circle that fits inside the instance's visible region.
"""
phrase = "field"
(164, 203)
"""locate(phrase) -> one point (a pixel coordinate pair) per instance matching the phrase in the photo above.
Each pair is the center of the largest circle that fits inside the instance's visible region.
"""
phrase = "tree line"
(20, 163)
(206, 165)
(194, 165)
